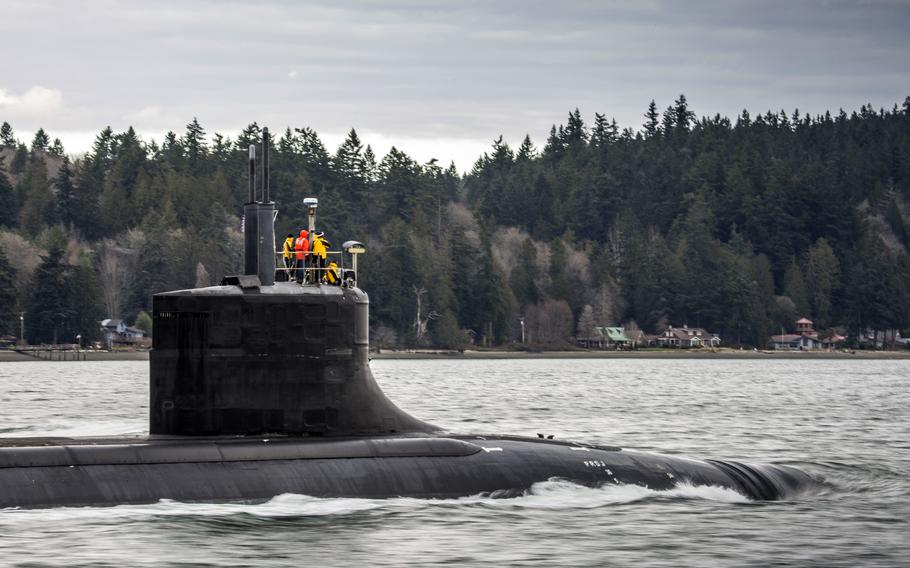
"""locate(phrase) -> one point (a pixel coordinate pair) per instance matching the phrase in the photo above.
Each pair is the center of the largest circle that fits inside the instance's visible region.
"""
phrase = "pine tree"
(599, 134)
(172, 152)
(349, 158)
(555, 146)
(575, 133)
(795, 288)
(251, 135)
(495, 303)
(822, 278)
(652, 125)
(113, 206)
(392, 296)
(66, 193)
(369, 164)
(83, 209)
(9, 204)
(84, 299)
(351, 168)
(527, 151)
(20, 160)
(103, 152)
(683, 117)
(7, 136)
(40, 142)
(38, 207)
(522, 279)
(116, 199)
(57, 148)
(8, 316)
(221, 148)
(195, 147)
(48, 309)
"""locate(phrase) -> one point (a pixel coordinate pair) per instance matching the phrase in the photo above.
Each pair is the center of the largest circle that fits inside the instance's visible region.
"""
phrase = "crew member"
(333, 274)
(319, 254)
(290, 263)
(302, 247)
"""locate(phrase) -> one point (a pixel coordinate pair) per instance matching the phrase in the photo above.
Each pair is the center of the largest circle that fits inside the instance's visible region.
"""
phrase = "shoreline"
(12, 356)
(646, 354)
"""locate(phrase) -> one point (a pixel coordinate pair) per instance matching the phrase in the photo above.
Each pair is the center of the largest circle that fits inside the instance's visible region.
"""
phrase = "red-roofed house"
(805, 338)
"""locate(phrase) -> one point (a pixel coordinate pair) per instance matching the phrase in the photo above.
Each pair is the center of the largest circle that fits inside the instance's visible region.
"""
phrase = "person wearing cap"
(319, 254)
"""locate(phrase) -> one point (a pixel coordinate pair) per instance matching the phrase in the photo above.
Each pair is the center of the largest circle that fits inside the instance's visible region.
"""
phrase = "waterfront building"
(686, 337)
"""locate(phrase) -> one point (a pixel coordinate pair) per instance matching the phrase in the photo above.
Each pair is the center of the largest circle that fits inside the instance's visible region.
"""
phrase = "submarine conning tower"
(255, 356)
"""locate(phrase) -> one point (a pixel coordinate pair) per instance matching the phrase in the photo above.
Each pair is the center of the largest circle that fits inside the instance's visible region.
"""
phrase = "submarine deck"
(56, 451)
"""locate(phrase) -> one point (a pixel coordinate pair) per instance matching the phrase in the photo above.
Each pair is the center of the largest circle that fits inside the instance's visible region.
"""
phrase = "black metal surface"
(252, 175)
(174, 451)
(265, 166)
(373, 467)
(266, 243)
(285, 359)
(251, 239)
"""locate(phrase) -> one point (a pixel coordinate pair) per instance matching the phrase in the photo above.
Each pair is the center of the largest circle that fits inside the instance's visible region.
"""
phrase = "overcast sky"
(436, 79)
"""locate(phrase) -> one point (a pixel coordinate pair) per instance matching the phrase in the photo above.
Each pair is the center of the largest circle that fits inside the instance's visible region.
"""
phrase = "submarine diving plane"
(259, 388)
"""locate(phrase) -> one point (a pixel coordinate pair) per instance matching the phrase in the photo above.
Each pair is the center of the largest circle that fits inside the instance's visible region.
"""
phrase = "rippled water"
(845, 421)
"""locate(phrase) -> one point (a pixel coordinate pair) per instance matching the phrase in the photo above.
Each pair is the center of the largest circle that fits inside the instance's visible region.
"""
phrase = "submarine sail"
(261, 387)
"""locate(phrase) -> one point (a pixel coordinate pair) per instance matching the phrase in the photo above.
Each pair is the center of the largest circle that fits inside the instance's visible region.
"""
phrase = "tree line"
(738, 226)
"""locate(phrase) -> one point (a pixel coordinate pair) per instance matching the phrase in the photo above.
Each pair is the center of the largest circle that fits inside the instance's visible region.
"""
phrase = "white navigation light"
(354, 247)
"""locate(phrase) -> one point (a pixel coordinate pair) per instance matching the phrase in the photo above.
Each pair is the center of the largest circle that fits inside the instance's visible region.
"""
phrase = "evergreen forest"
(739, 226)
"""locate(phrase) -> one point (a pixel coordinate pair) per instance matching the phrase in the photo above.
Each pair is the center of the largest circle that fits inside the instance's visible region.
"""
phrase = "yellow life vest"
(319, 247)
(332, 275)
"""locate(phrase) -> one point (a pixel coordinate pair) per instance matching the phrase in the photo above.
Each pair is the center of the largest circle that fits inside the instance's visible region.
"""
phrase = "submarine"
(261, 387)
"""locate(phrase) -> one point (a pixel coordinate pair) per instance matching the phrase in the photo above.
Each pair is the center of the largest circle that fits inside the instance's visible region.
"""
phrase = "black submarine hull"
(147, 470)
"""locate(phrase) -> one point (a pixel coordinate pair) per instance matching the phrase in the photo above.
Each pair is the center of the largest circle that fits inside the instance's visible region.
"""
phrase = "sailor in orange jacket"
(302, 247)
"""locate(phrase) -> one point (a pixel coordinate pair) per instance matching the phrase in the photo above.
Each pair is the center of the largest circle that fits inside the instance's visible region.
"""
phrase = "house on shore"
(805, 338)
(687, 338)
(639, 338)
(115, 333)
(606, 337)
(881, 338)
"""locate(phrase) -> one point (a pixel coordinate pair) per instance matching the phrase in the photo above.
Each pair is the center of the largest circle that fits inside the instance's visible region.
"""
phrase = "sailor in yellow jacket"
(289, 261)
(318, 252)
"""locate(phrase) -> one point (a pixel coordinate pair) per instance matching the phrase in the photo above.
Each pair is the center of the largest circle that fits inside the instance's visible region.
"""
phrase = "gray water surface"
(846, 422)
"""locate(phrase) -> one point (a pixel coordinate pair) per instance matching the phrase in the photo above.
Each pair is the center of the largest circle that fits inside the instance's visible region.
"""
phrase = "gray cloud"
(445, 77)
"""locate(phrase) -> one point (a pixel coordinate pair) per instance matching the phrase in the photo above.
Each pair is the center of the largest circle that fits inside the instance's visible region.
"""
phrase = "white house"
(116, 332)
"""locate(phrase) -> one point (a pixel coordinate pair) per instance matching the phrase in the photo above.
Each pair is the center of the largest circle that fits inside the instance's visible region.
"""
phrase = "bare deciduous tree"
(607, 303)
(384, 337)
(507, 245)
(202, 276)
(420, 322)
(23, 256)
(585, 329)
(114, 266)
(550, 323)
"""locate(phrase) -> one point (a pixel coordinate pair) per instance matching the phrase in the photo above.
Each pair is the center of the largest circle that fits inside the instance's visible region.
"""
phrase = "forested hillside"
(738, 226)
